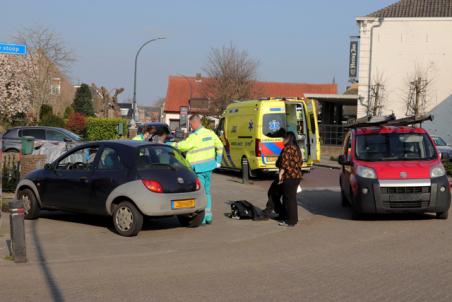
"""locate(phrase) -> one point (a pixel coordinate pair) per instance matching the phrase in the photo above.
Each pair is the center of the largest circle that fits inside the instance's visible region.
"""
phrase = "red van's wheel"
(442, 215)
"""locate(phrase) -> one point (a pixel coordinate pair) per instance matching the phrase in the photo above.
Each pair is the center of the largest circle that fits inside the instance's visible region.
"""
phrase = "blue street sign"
(14, 49)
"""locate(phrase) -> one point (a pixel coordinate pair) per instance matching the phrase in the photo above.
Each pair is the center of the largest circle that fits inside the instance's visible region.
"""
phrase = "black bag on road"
(242, 209)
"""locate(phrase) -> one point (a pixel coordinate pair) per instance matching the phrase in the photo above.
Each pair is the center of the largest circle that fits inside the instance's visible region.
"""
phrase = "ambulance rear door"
(313, 129)
(297, 123)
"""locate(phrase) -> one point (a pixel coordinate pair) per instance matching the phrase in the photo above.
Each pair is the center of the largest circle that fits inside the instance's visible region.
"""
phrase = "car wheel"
(127, 220)
(442, 215)
(193, 220)
(31, 205)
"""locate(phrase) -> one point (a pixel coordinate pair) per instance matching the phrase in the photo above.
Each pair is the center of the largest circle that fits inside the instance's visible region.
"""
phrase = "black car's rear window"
(153, 156)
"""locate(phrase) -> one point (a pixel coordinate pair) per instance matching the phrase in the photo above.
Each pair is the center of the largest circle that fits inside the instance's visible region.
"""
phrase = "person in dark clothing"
(290, 163)
(274, 194)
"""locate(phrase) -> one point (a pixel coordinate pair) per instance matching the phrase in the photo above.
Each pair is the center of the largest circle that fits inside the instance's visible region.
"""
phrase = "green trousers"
(205, 179)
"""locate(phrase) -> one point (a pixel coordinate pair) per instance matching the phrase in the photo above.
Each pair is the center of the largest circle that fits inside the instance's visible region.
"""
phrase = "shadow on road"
(159, 223)
(328, 203)
(52, 284)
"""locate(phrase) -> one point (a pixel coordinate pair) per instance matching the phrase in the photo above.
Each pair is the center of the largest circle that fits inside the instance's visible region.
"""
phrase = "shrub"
(52, 121)
(83, 101)
(44, 111)
(68, 111)
(104, 128)
(76, 122)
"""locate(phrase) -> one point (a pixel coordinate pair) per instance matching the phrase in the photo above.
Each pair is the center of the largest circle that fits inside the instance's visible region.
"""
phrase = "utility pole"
(134, 102)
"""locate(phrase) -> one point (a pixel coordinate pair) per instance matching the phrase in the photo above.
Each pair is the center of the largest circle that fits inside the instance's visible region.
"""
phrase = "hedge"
(104, 128)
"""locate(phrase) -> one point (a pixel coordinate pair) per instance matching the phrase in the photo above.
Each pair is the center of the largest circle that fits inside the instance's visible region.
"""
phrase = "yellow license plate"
(183, 204)
(270, 160)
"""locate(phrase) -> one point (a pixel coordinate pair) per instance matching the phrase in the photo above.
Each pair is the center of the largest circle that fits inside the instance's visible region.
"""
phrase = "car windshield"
(72, 135)
(394, 146)
(273, 123)
(149, 157)
(439, 141)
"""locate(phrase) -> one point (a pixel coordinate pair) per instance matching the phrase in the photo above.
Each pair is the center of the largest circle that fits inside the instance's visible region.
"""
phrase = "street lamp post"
(134, 103)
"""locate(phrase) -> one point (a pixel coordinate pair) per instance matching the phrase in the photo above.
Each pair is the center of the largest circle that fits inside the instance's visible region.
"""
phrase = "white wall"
(400, 46)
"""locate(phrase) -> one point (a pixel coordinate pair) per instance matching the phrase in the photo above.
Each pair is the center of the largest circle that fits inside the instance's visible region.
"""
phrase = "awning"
(344, 99)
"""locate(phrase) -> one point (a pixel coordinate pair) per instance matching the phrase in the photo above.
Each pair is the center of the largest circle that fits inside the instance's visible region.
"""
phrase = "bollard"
(16, 219)
(245, 169)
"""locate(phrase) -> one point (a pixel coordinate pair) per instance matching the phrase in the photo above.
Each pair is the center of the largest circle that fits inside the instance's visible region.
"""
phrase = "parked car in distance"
(126, 180)
(442, 146)
(12, 137)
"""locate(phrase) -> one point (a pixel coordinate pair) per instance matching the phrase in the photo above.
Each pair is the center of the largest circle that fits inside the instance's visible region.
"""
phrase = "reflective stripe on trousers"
(205, 179)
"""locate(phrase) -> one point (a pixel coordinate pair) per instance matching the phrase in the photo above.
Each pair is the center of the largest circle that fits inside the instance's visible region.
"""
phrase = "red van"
(391, 167)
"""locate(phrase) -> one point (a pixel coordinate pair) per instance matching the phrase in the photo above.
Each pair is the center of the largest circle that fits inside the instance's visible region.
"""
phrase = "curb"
(331, 166)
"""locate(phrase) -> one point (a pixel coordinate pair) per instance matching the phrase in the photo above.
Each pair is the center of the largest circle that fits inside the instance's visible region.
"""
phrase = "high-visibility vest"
(139, 137)
(203, 149)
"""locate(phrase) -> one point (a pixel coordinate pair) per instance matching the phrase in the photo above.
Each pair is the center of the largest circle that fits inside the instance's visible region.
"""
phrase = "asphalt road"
(328, 257)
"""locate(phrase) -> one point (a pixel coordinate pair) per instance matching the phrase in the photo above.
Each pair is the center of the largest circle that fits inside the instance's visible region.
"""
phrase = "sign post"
(353, 64)
(183, 113)
(13, 49)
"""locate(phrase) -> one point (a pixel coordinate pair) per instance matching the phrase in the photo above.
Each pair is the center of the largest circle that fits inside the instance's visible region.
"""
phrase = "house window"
(55, 86)
(174, 124)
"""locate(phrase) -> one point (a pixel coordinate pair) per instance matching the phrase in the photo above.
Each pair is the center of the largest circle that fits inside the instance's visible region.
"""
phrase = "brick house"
(188, 91)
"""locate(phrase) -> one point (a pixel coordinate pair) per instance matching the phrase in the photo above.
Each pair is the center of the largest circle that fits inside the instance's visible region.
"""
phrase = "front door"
(68, 186)
(347, 168)
(110, 172)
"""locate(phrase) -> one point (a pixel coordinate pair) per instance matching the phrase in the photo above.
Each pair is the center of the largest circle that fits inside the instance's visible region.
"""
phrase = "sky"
(293, 41)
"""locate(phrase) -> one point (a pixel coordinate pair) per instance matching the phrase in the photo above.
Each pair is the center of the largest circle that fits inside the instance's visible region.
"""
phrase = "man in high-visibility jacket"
(204, 151)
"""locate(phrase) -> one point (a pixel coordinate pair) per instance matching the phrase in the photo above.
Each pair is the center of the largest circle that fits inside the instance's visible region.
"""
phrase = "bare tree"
(375, 102)
(49, 56)
(231, 76)
(417, 99)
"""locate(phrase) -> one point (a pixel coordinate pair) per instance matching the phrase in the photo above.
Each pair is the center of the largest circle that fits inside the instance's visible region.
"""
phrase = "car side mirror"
(343, 161)
(68, 140)
(48, 167)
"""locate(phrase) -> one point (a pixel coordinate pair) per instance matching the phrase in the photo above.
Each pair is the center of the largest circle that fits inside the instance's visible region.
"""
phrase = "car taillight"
(257, 148)
(153, 186)
(198, 184)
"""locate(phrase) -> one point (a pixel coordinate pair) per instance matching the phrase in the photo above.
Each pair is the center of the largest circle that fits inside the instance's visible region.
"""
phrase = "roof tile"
(416, 8)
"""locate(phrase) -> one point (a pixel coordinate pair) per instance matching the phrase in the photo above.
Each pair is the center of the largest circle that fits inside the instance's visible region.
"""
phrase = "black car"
(123, 179)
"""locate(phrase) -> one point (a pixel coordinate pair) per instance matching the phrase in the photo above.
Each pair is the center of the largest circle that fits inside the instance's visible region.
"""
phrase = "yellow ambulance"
(251, 131)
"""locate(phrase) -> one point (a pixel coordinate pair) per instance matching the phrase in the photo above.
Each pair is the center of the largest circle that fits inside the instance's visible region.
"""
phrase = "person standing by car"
(290, 163)
(204, 152)
(145, 135)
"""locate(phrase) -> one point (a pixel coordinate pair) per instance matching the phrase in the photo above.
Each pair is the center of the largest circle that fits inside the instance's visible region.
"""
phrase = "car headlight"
(437, 171)
(366, 172)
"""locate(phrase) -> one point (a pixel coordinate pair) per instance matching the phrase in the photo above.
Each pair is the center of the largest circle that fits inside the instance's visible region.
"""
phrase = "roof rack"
(388, 120)
(369, 121)
(411, 120)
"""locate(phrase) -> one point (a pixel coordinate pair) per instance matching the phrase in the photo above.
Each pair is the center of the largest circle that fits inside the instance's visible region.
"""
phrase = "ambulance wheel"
(442, 215)
(245, 161)
(192, 220)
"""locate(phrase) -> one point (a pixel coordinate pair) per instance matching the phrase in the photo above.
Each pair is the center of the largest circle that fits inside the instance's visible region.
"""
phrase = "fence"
(332, 134)
(10, 171)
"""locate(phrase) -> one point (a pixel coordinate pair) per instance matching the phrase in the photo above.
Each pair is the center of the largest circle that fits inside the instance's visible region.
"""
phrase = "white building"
(405, 41)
